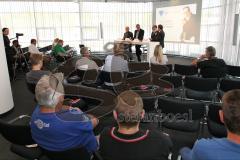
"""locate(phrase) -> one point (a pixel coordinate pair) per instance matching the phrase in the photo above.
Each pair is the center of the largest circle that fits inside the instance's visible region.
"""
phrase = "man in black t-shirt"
(128, 141)
(189, 28)
(211, 66)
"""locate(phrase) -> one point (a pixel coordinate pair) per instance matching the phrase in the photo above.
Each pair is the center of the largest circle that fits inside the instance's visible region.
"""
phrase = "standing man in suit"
(128, 47)
(154, 35)
(138, 34)
(161, 35)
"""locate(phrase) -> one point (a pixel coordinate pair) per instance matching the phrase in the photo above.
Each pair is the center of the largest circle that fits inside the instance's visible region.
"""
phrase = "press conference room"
(120, 80)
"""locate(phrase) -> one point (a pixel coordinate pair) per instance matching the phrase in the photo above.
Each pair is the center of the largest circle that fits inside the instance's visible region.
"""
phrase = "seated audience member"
(128, 141)
(32, 48)
(85, 63)
(59, 52)
(58, 48)
(211, 66)
(56, 127)
(113, 63)
(16, 48)
(18, 54)
(36, 73)
(220, 148)
(116, 62)
(55, 42)
(158, 57)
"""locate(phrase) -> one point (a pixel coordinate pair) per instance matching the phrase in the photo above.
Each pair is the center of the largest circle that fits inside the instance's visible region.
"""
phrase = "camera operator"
(18, 55)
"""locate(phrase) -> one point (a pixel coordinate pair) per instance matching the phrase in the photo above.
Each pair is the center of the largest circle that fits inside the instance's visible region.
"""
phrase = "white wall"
(6, 99)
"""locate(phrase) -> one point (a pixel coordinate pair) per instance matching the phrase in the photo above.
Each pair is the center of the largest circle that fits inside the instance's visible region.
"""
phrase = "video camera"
(19, 34)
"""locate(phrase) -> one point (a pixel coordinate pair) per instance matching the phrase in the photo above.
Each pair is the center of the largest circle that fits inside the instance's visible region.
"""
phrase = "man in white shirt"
(32, 48)
(85, 63)
(116, 62)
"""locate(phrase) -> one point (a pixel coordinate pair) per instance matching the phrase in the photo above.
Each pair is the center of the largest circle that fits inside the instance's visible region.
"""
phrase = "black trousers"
(10, 62)
(128, 50)
(138, 52)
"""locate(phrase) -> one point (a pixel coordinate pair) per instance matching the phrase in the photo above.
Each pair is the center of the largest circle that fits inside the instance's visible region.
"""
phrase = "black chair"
(170, 68)
(60, 59)
(138, 67)
(159, 69)
(185, 70)
(32, 153)
(46, 48)
(38, 153)
(201, 88)
(74, 154)
(213, 72)
(233, 71)
(31, 87)
(90, 75)
(87, 76)
(215, 126)
(142, 79)
(25, 49)
(177, 83)
(75, 76)
(229, 84)
(110, 79)
(18, 133)
(181, 115)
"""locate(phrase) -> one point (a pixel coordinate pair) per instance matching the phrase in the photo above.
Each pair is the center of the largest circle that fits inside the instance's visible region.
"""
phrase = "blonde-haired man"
(116, 62)
(36, 72)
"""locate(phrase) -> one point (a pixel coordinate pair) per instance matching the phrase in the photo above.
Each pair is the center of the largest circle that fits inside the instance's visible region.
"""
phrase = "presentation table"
(150, 45)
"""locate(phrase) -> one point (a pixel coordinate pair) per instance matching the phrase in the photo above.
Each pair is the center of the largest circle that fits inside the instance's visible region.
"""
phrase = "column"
(6, 99)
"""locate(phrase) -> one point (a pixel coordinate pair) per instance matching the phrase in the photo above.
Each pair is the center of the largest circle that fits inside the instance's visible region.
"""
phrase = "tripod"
(20, 59)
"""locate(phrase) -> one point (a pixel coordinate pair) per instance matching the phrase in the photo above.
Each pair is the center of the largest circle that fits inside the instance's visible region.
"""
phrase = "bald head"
(127, 29)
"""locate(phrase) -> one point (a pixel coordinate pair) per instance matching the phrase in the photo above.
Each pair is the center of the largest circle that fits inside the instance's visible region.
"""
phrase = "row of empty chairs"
(208, 89)
(185, 70)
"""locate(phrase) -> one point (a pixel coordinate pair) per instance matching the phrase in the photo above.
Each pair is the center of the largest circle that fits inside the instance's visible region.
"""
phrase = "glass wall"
(90, 23)
(42, 20)
(113, 17)
(97, 23)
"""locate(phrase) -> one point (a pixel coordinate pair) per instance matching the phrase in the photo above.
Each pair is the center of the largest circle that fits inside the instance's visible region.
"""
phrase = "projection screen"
(181, 21)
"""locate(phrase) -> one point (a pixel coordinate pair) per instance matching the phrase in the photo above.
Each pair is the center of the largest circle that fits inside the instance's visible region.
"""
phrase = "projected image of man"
(189, 28)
